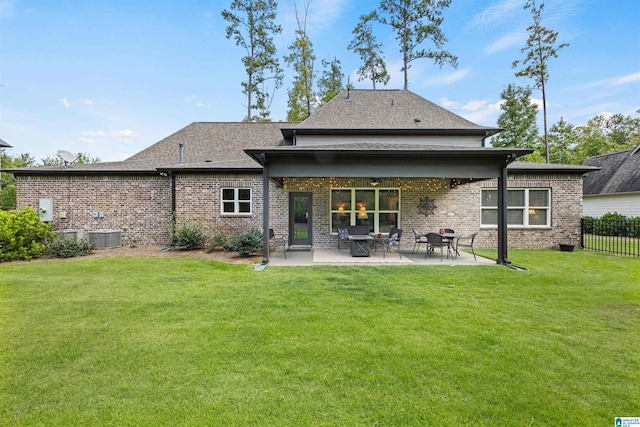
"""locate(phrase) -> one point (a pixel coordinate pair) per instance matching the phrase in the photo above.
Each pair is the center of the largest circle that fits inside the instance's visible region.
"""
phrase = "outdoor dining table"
(451, 237)
(360, 244)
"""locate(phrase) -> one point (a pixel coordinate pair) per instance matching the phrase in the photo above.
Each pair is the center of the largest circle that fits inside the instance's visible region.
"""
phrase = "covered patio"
(318, 257)
(458, 164)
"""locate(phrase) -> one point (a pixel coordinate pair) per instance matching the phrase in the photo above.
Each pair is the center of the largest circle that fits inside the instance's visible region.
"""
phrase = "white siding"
(455, 141)
(626, 204)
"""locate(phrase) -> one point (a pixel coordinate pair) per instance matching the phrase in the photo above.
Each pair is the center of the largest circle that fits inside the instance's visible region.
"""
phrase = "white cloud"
(88, 102)
(200, 104)
(538, 102)
(126, 136)
(496, 13)
(616, 81)
(482, 112)
(475, 105)
(516, 38)
(94, 133)
(65, 102)
(445, 79)
(446, 103)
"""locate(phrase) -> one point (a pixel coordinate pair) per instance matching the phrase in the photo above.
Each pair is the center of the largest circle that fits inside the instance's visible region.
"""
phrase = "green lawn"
(165, 342)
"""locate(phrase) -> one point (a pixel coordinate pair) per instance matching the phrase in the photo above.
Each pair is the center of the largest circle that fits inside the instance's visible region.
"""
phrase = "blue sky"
(111, 77)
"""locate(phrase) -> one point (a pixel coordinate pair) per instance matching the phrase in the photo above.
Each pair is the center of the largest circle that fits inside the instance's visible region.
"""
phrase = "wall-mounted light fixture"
(374, 182)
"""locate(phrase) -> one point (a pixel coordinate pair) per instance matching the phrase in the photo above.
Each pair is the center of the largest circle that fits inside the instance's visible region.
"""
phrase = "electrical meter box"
(45, 210)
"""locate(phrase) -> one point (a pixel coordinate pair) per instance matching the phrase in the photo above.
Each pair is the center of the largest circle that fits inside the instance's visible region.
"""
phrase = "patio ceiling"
(350, 160)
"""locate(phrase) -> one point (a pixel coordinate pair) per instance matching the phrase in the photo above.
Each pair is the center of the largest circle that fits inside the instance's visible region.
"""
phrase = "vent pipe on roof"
(180, 147)
(348, 94)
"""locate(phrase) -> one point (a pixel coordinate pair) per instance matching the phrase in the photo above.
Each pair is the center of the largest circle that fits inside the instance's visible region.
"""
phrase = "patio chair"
(395, 234)
(275, 242)
(343, 237)
(420, 239)
(435, 240)
(467, 242)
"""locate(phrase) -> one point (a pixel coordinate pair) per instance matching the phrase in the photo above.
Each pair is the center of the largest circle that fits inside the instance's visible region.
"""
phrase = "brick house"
(379, 158)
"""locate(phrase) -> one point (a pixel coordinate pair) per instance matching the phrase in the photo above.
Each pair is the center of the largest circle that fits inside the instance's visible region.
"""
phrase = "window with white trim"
(235, 201)
(378, 208)
(526, 207)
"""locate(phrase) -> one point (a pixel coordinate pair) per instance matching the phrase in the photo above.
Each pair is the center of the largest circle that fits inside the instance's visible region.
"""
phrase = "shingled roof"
(205, 146)
(4, 144)
(387, 111)
(620, 173)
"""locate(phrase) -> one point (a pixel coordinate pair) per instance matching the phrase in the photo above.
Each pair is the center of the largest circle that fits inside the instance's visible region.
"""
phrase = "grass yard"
(164, 341)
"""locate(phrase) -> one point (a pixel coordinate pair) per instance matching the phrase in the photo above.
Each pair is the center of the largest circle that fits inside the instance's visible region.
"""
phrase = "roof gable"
(386, 111)
(620, 173)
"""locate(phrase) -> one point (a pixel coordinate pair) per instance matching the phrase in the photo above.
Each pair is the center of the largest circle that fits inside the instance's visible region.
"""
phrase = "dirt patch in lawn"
(157, 252)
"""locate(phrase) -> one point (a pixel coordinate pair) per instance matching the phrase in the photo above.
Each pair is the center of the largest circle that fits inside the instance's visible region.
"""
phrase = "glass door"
(300, 219)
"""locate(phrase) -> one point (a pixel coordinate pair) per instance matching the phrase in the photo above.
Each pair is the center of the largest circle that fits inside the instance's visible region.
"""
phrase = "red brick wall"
(141, 206)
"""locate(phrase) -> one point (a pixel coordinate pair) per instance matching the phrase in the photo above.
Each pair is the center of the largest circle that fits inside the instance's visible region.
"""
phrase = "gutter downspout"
(502, 212)
(173, 202)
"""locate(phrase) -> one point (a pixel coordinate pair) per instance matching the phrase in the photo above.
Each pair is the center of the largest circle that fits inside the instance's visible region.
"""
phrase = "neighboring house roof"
(620, 173)
(385, 112)
(4, 144)
(533, 167)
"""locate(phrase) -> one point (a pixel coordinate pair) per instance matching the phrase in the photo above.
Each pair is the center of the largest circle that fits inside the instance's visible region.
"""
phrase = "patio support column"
(502, 212)
(265, 210)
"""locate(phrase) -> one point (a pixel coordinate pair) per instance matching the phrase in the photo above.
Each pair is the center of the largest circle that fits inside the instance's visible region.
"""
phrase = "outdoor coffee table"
(360, 245)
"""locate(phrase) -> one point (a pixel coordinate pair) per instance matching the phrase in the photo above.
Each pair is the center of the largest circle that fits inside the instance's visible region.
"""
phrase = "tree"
(607, 135)
(539, 48)
(364, 43)
(302, 97)
(518, 120)
(563, 137)
(8, 181)
(414, 22)
(81, 158)
(330, 83)
(252, 26)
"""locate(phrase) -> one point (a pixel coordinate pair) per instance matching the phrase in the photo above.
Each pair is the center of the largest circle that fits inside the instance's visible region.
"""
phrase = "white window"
(378, 208)
(526, 207)
(236, 201)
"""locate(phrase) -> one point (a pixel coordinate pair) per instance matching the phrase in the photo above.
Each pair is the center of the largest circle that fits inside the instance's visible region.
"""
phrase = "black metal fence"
(621, 237)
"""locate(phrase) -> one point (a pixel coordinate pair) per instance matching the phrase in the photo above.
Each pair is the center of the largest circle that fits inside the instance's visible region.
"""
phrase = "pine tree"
(415, 22)
(252, 26)
(364, 43)
(302, 97)
(330, 83)
(518, 120)
(539, 48)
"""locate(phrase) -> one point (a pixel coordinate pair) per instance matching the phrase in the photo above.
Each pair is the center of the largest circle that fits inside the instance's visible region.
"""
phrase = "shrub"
(22, 235)
(612, 224)
(190, 235)
(218, 240)
(68, 247)
(634, 226)
(245, 242)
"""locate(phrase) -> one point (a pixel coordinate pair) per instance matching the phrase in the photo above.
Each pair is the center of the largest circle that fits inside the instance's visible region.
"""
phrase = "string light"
(429, 184)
